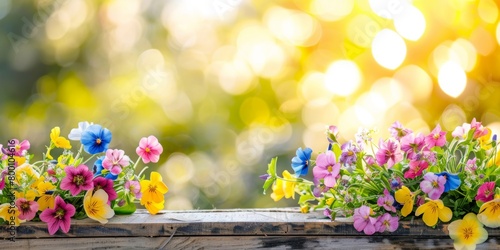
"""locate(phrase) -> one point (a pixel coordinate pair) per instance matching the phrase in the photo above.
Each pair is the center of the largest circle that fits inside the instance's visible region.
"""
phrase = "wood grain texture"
(232, 229)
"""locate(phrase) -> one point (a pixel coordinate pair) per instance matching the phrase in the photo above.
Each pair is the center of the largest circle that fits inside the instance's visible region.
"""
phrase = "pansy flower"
(349, 151)
(95, 139)
(76, 133)
(386, 222)
(133, 188)
(405, 197)
(115, 160)
(106, 185)
(153, 207)
(77, 179)
(486, 192)
(327, 168)
(389, 152)
(467, 232)
(96, 206)
(363, 220)
(489, 213)
(59, 216)
(452, 181)
(283, 187)
(437, 138)
(416, 167)
(27, 208)
(300, 163)
(433, 185)
(386, 201)
(153, 189)
(398, 131)
(433, 210)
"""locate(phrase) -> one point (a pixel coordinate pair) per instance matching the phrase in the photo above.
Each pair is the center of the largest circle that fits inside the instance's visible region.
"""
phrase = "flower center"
(98, 141)
(152, 188)
(78, 180)
(467, 232)
(147, 150)
(59, 214)
(350, 153)
(435, 184)
(436, 136)
(25, 206)
(329, 169)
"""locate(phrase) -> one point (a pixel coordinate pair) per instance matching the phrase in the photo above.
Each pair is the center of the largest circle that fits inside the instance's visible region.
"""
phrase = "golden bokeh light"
(410, 24)
(452, 78)
(331, 10)
(488, 11)
(417, 84)
(388, 49)
(343, 77)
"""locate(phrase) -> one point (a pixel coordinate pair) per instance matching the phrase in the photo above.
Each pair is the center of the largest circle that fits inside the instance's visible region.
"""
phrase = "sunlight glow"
(488, 11)
(343, 77)
(332, 10)
(411, 24)
(452, 78)
(388, 49)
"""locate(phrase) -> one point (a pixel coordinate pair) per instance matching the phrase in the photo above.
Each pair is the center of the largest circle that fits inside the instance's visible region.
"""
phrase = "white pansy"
(76, 133)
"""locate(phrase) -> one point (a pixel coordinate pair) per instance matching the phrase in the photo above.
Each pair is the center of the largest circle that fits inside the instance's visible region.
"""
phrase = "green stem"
(300, 180)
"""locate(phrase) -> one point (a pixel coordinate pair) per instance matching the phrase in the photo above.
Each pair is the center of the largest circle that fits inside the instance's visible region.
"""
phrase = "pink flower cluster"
(363, 221)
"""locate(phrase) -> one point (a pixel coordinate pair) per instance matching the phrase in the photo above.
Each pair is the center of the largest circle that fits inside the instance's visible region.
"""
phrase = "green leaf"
(336, 150)
(306, 197)
(271, 167)
(268, 183)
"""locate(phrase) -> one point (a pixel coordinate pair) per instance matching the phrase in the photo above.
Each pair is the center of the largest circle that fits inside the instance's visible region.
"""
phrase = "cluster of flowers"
(54, 190)
(448, 180)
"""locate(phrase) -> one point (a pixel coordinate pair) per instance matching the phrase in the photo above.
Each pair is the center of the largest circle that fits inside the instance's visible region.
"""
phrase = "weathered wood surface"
(231, 229)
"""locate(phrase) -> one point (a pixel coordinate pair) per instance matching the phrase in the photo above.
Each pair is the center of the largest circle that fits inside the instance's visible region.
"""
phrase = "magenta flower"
(398, 131)
(416, 169)
(134, 188)
(20, 148)
(106, 185)
(115, 160)
(389, 152)
(433, 185)
(59, 216)
(77, 179)
(436, 138)
(386, 201)
(412, 144)
(387, 222)
(486, 192)
(27, 209)
(149, 149)
(2, 178)
(363, 221)
(327, 168)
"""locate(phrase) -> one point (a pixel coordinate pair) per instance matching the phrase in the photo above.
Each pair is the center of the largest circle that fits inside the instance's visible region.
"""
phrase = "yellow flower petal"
(96, 207)
(6, 214)
(405, 197)
(489, 213)
(153, 207)
(54, 133)
(278, 193)
(445, 214)
(468, 232)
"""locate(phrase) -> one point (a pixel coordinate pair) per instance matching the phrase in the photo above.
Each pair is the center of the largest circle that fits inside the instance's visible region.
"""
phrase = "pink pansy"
(398, 131)
(412, 144)
(479, 130)
(386, 222)
(77, 179)
(149, 149)
(115, 160)
(386, 201)
(437, 138)
(416, 169)
(433, 185)
(461, 132)
(106, 185)
(27, 209)
(133, 187)
(471, 165)
(486, 192)
(59, 216)
(327, 168)
(363, 221)
(22, 147)
(389, 152)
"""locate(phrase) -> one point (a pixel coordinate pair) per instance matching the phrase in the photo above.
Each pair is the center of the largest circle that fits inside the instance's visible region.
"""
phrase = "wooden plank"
(222, 223)
(243, 242)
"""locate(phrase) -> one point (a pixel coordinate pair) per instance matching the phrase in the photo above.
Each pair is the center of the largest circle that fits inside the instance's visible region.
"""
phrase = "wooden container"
(231, 229)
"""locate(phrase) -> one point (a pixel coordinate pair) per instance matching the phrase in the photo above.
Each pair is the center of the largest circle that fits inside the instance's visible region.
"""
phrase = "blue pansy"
(95, 139)
(452, 181)
(300, 163)
(98, 168)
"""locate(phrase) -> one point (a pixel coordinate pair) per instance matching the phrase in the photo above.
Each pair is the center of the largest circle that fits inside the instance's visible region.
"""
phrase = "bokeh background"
(228, 84)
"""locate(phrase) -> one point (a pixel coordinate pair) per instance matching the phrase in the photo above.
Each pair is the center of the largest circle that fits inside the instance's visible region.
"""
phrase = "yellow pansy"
(489, 213)
(283, 188)
(46, 200)
(468, 232)
(153, 207)
(495, 160)
(30, 194)
(405, 197)
(96, 206)
(485, 140)
(65, 160)
(154, 189)
(433, 210)
(26, 174)
(59, 141)
(8, 213)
